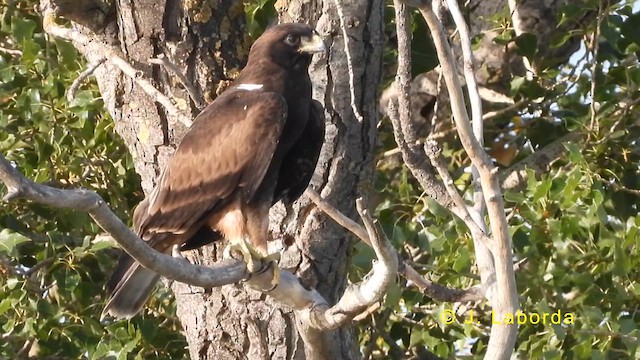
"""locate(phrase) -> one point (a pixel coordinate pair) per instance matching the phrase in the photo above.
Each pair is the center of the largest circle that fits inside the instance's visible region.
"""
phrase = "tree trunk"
(205, 40)
(233, 322)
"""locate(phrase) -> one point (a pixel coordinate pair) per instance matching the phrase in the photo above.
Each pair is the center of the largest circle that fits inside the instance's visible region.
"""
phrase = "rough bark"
(206, 40)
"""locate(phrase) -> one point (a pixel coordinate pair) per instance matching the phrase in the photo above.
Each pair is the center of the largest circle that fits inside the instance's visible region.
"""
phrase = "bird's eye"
(292, 40)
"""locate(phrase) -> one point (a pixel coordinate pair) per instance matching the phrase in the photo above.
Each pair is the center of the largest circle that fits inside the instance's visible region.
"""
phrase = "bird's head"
(289, 45)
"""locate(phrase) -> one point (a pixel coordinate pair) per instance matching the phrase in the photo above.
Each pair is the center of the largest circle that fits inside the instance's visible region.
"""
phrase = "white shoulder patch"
(250, 87)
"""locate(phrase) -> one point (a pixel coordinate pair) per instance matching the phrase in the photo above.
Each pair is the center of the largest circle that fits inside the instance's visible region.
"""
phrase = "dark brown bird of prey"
(255, 144)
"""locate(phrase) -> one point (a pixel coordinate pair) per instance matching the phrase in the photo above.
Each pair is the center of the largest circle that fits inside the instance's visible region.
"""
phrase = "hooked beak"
(312, 45)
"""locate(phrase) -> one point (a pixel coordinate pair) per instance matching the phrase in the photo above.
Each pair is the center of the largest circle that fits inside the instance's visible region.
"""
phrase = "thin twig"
(164, 61)
(595, 44)
(345, 38)
(434, 291)
(12, 52)
(114, 56)
(497, 113)
(71, 93)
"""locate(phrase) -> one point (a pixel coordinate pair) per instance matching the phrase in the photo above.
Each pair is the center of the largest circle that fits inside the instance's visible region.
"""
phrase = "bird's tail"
(129, 288)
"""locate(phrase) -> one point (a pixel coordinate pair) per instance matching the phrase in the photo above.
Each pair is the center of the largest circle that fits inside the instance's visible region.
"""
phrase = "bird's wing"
(300, 162)
(228, 149)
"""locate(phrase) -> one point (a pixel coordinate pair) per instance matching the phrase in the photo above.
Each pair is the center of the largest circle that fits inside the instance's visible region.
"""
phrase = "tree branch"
(482, 247)
(505, 301)
(435, 291)
(404, 129)
(71, 92)
(164, 61)
(515, 177)
(230, 271)
(111, 53)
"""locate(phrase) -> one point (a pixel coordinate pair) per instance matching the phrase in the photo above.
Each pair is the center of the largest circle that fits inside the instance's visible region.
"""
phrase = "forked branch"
(433, 290)
(505, 300)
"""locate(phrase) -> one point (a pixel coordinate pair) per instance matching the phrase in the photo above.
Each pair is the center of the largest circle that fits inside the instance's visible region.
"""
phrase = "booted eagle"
(256, 144)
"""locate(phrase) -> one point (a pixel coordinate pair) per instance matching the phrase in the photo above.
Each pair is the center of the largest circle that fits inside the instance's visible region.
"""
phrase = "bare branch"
(505, 301)
(442, 293)
(114, 56)
(71, 93)
(484, 257)
(345, 39)
(435, 291)
(403, 128)
(162, 60)
(515, 177)
(12, 52)
(433, 151)
(226, 272)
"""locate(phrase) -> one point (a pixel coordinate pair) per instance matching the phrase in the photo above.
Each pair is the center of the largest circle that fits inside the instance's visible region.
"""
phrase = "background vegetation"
(574, 229)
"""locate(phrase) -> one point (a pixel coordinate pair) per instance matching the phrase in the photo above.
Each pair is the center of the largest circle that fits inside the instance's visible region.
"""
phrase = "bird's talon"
(276, 276)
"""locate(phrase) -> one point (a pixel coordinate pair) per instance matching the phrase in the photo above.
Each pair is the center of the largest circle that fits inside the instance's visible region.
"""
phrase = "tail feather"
(129, 288)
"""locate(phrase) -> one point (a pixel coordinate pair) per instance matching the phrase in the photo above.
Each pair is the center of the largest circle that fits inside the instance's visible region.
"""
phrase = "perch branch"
(113, 55)
(226, 272)
(71, 93)
(309, 304)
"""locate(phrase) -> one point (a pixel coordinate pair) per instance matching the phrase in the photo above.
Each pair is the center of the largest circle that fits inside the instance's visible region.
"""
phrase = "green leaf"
(516, 84)
(5, 305)
(393, 296)
(527, 45)
(504, 38)
(9, 240)
(22, 28)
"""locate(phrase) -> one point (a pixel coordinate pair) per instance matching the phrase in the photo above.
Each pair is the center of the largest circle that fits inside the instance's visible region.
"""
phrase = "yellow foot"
(252, 257)
(249, 253)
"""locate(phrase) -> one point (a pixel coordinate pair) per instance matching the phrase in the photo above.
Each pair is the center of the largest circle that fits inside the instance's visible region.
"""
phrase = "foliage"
(574, 230)
(52, 272)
